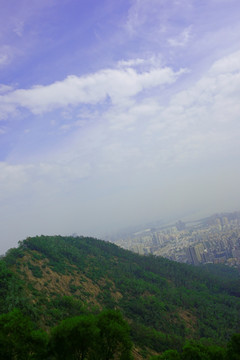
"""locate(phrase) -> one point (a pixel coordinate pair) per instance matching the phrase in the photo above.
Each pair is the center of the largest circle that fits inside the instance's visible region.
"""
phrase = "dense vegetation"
(193, 350)
(102, 337)
(88, 337)
(51, 279)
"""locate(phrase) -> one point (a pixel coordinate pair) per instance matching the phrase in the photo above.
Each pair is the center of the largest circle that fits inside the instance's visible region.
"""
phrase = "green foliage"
(12, 293)
(219, 270)
(155, 294)
(230, 280)
(74, 338)
(18, 339)
(167, 355)
(103, 337)
(13, 255)
(233, 348)
(193, 350)
(36, 270)
(62, 307)
(216, 352)
(114, 336)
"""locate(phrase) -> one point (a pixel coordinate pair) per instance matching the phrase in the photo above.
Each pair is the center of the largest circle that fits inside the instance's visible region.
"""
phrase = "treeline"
(194, 350)
(104, 336)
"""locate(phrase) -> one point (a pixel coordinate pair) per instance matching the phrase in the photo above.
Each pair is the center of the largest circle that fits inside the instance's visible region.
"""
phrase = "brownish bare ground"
(137, 354)
(189, 319)
(54, 283)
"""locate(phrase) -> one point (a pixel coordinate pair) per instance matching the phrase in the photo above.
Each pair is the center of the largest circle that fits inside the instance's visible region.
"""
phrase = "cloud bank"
(145, 128)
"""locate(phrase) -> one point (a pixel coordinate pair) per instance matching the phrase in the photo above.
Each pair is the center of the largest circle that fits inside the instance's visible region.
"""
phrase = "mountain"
(51, 278)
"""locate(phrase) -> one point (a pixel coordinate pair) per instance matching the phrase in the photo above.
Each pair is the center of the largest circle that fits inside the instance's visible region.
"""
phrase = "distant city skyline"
(215, 239)
(115, 114)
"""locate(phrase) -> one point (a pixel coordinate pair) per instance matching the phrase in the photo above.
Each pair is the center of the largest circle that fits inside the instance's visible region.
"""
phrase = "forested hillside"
(52, 278)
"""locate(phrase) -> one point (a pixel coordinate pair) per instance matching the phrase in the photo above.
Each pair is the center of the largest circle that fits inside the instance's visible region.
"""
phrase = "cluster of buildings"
(212, 240)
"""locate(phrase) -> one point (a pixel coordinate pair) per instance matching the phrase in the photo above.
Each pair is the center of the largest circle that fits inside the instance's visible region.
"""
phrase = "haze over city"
(116, 113)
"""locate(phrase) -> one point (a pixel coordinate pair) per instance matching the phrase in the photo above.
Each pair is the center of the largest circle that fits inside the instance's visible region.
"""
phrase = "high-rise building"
(199, 249)
(191, 255)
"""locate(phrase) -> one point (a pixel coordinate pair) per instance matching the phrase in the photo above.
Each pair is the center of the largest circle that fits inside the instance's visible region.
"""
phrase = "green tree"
(167, 355)
(39, 343)
(216, 352)
(233, 348)
(74, 338)
(18, 338)
(114, 341)
(195, 351)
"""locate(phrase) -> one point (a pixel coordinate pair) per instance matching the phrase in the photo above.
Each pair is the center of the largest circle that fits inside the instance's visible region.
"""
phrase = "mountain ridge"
(165, 302)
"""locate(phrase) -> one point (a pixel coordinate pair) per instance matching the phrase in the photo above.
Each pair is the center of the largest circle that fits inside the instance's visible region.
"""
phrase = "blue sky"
(116, 113)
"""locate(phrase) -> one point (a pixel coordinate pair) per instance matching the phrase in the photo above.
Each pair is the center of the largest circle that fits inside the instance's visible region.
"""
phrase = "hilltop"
(51, 278)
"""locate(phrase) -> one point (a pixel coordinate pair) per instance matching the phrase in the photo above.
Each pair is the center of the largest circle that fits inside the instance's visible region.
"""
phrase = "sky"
(116, 113)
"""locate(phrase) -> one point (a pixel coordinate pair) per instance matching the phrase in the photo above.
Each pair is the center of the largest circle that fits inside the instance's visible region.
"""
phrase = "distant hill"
(51, 278)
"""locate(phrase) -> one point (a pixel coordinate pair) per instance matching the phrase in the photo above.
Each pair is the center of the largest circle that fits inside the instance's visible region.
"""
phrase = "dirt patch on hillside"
(73, 283)
(189, 319)
(52, 283)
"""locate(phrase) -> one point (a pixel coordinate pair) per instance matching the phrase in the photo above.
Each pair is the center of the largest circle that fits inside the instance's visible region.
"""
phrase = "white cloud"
(228, 64)
(182, 39)
(51, 176)
(146, 157)
(198, 124)
(202, 121)
(130, 62)
(156, 21)
(142, 12)
(118, 84)
(6, 54)
(3, 130)
(5, 88)
(19, 27)
(12, 178)
(149, 62)
(3, 59)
